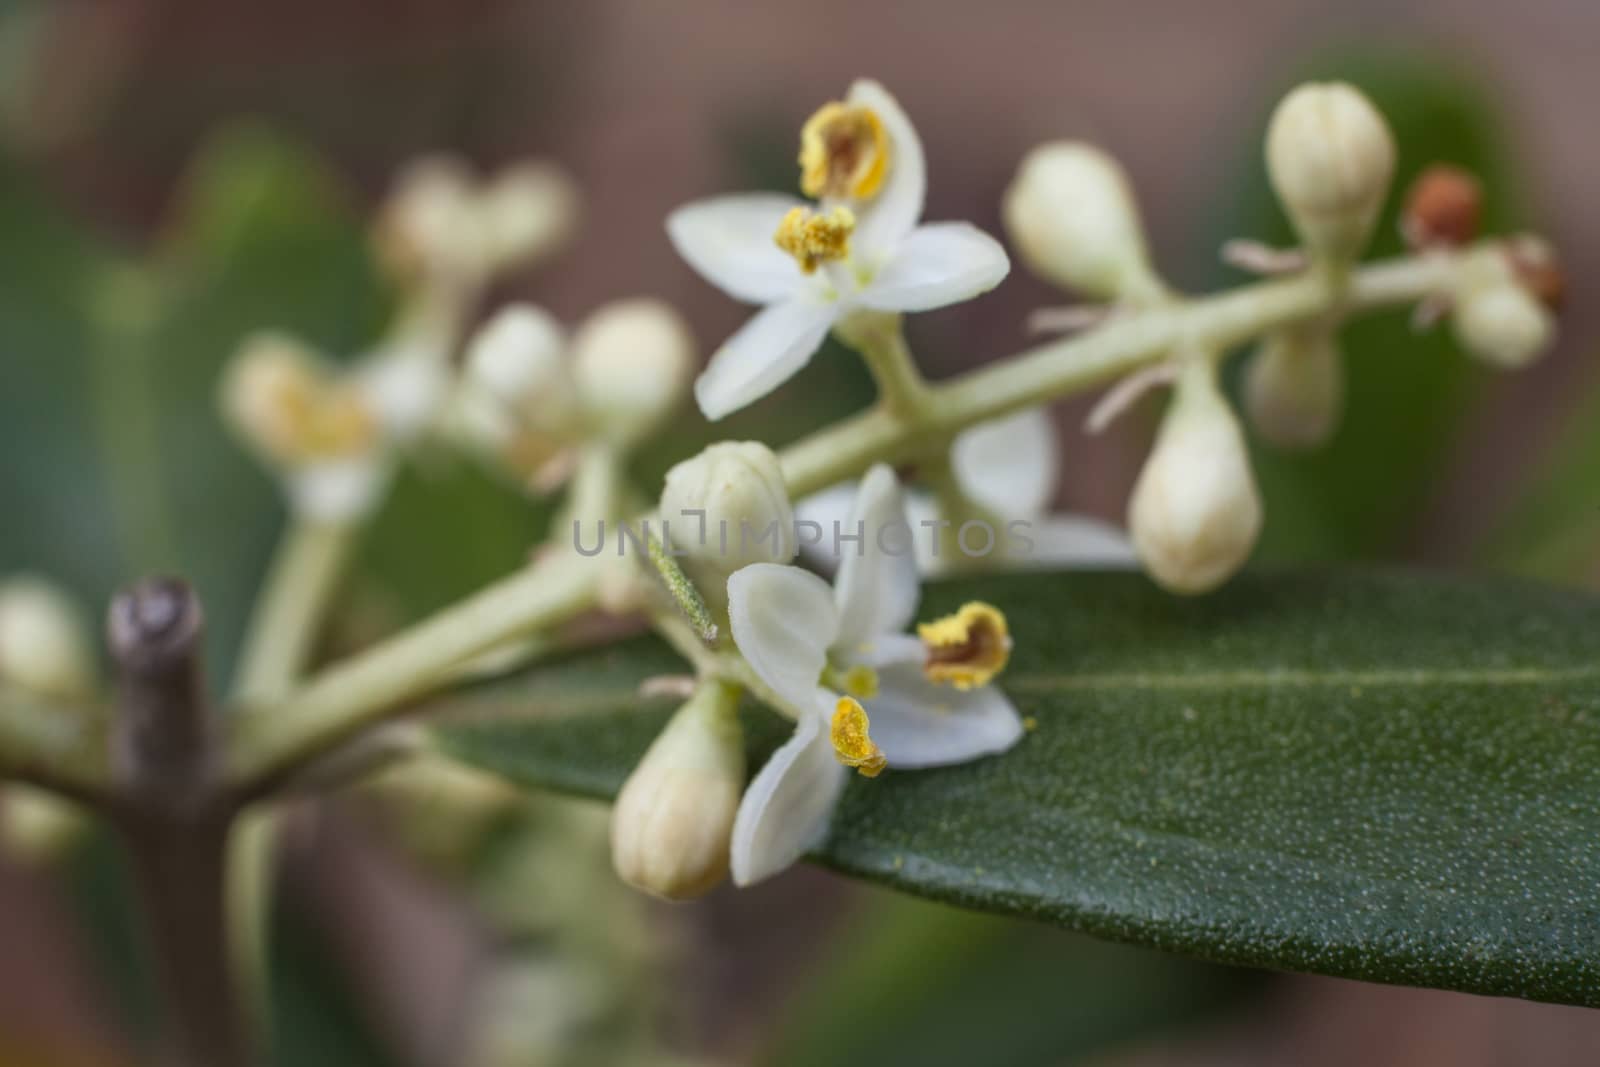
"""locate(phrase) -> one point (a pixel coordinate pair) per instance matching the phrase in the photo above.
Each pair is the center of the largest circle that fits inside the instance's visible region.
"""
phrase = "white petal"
(334, 491)
(1009, 466)
(785, 810)
(729, 241)
(824, 508)
(936, 265)
(783, 622)
(406, 390)
(766, 352)
(920, 724)
(877, 588)
(894, 212)
(1073, 540)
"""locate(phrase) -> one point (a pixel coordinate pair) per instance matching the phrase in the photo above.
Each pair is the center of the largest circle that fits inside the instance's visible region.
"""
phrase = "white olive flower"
(810, 265)
(1008, 467)
(838, 659)
(329, 435)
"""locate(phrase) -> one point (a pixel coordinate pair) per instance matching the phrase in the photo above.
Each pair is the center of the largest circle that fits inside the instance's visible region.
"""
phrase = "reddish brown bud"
(1443, 208)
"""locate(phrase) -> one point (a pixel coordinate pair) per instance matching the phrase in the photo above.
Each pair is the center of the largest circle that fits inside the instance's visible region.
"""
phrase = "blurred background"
(228, 155)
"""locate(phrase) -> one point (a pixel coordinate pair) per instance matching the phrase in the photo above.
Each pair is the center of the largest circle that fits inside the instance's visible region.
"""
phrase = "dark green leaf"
(1384, 777)
(913, 982)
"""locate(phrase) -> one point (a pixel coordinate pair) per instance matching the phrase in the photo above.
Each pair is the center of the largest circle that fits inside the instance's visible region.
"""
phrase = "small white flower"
(837, 657)
(1008, 467)
(330, 436)
(860, 247)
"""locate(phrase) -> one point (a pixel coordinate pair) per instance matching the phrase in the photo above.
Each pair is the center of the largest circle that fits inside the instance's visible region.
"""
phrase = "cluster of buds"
(329, 433)
(1195, 512)
(531, 393)
(444, 226)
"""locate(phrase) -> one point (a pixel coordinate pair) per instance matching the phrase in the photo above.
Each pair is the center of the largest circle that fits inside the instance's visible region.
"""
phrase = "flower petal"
(894, 212)
(766, 352)
(786, 808)
(728, 240)
(783, 622)
(824, 508)
(936, 265)
(1009, 466)
(1074, 540)
(876, 589)
(920, 724)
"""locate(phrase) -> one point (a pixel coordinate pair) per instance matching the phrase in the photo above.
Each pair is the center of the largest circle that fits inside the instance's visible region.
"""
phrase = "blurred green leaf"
(1552, 531)
(1384, 777)
(915, 982)
(109, 372)
(1408, 394)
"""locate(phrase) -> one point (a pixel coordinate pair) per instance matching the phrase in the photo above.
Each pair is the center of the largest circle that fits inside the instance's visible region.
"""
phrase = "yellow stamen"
(966, 649)
(291, 411)
(851, 745)
(812, 239)
(844, 152)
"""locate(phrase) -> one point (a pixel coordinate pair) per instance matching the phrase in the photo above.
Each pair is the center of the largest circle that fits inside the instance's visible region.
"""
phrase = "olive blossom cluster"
(871, 682)
(863, 694)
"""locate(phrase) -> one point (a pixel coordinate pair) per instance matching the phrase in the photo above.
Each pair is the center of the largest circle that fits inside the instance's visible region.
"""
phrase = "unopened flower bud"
(428, 225)
(1331, 157)
(673, 820)
(1497, 317)
(44, 642)
(632, 362)
(527, 211)
(729, 507)
(1443, 208)
(517, 358)
(1070, 213)
(1195, 512)
(38, 826)
(1294, 387)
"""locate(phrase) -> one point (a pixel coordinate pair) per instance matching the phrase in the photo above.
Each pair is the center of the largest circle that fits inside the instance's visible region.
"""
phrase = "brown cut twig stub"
(161, 741)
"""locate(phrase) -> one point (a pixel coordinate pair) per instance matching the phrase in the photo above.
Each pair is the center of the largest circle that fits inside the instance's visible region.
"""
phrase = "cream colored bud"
(728, 507)
(1497, 318)
(671, 828)
(518, 359)
(632, 362)
(1071, 215)
(527, 212)
(429, 225)
(1195, 512)
(38, 826)
(1294, 387)
(1331, 158)
(44, 641)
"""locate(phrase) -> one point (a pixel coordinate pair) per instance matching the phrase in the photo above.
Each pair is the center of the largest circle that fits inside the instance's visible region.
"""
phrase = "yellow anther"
(812, 239)
(851, 745)
(289, 409)
(968, 648)
(844, 153)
